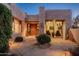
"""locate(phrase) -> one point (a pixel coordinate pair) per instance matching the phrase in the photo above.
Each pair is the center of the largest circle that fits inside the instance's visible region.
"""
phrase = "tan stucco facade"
(26, 24)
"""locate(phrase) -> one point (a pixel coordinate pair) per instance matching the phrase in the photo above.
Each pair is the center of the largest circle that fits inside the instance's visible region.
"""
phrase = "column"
(24, 28)
(41, 20)
(54, 23)
(64, 30)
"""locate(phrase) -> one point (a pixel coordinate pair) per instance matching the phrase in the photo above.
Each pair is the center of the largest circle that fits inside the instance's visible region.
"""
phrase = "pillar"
(41, 20)
(64, 30)
(24, 28)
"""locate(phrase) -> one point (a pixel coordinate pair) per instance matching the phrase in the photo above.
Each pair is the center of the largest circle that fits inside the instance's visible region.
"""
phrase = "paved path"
(27, 48)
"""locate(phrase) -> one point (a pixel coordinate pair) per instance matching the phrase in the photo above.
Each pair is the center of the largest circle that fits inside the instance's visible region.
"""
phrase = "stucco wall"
(60, 14)
(32, 18)
(75, 33)
(42, 20)
(57, 14)
(16, 12)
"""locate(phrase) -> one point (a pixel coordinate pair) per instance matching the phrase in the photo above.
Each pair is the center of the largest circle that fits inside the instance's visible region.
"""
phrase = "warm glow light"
(78, 25)
(59, 53)
(13, 45)
(17, 26)
(54, 26)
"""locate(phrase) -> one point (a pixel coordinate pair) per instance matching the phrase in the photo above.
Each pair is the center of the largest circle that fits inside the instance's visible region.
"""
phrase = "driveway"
(27, 48)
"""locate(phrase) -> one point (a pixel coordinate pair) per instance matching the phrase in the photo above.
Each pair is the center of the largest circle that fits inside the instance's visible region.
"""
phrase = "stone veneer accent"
(41, 20)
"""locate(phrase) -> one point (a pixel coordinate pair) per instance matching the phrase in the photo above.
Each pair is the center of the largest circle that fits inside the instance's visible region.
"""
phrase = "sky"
(33, 8)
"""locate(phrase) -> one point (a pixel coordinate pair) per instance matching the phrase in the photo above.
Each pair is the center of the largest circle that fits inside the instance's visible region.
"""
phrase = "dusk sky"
(33, 8)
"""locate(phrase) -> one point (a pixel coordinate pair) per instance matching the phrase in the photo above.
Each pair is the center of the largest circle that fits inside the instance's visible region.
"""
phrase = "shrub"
(19, 39)
(47, 32)
(52, 34)
(58, 33)
(43, 39)
(75, 52)
(5, 27)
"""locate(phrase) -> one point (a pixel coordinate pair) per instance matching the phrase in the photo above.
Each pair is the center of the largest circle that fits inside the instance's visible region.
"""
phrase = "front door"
(33, 28)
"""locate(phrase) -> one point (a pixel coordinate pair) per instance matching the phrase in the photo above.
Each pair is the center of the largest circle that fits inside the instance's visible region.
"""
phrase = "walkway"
(27, 48)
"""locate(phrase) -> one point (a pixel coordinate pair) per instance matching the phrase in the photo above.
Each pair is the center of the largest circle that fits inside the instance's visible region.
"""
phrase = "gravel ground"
(27, 48)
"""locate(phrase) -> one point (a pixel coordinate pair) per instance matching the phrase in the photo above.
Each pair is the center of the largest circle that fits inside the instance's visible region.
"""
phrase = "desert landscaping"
(58, 47)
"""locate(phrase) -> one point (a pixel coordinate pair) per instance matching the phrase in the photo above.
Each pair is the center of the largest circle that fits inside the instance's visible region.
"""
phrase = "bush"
(5, 28)
(4, 49)
(43, 39)
(47, 32)
(18, 39)
(58, 33)
(75, 52)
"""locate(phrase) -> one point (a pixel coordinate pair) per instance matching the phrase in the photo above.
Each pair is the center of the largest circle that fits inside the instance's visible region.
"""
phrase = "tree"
(76, 22)
(77, 19)
(5, 27)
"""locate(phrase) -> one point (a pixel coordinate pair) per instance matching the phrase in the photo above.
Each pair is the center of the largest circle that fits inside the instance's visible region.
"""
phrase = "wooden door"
(33, 28)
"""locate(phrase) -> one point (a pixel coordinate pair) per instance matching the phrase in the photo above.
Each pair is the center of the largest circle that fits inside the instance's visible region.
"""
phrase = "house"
(54, 22)
(18, 19)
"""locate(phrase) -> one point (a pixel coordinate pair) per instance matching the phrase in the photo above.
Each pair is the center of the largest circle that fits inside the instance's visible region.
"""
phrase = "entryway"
(32, 28)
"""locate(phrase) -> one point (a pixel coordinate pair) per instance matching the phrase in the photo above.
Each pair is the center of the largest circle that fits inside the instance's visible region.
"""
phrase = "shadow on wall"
(70, 36)
(74, 35)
